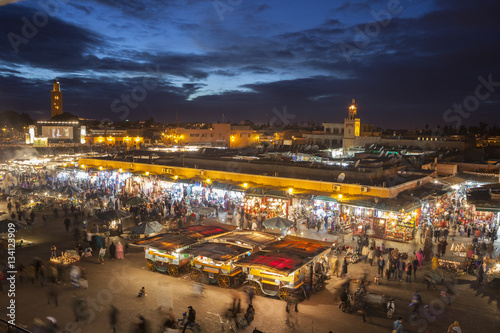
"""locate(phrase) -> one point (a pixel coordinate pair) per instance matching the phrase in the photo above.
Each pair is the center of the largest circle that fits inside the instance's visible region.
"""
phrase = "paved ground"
(117, 282)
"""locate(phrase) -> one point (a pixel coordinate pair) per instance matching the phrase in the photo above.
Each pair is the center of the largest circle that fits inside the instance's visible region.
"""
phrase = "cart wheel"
(224, 281)
(150, 265)
(284, 294)
(256, 286)
(173, 270)
(194, 274)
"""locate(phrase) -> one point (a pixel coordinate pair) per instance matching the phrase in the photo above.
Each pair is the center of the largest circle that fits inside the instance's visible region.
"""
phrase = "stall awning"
(167, 242)
(323, 198)
(249, 238)
(287, 255)
(277, 194)
(255, 192)
(216, 251)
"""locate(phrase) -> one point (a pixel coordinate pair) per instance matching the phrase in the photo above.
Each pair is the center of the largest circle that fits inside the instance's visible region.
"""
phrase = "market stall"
(459, 249)
(216, 262)
(163, 252)
(283, 267)
(66, 258)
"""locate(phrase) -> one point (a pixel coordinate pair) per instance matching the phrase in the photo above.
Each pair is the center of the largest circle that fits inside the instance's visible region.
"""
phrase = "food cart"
(283, 267)
(216, 262)
(163, 252)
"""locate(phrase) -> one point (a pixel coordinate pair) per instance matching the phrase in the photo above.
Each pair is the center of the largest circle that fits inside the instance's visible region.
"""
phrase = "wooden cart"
(281, 268)
(216, 262)
(163, 252)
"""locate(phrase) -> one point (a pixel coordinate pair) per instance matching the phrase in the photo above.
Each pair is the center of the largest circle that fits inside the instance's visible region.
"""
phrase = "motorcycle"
(195, 327)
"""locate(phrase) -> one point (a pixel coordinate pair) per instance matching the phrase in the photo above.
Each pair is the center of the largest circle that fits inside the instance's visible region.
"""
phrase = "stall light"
(100, 168)
(340, 196)
(176, 177)
(147, 173)
(245, 185)
(290, 190)
(208, 180)
(82, 166)
(121, 170)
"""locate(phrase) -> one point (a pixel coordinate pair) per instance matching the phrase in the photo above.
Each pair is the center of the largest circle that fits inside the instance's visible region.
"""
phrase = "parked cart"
(164, 252)
(284, 267)
(216, 263)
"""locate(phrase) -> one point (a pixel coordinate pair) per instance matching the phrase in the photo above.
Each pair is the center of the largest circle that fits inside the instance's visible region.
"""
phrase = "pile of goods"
(67, 258)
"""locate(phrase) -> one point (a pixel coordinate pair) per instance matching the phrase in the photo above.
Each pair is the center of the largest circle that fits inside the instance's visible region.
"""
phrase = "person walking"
(398, 325)
(371, 255)
(344, 267)
(112, 250)
(102, 253)
(53, 251)
(113, 317)
(415, 265)
(119, 250)
(381, 265)
(52, 295)
(409, 268)
(67, 223)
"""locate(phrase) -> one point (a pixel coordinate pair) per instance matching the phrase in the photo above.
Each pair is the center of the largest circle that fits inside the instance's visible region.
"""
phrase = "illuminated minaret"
(351, 127)
(56, 99)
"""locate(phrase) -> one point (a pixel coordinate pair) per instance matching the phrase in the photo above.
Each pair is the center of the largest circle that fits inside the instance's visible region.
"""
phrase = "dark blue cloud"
(261, 55)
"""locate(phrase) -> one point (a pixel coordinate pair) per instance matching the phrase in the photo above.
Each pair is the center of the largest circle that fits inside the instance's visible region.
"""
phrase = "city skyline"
(407, 64)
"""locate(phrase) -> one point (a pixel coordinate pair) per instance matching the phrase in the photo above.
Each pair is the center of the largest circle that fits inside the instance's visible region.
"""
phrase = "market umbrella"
(277, 223)
(69, 189)
(147, 228)
(9, 223)
(20, 191)
(135, 201)
(112, 215)
(203, 210)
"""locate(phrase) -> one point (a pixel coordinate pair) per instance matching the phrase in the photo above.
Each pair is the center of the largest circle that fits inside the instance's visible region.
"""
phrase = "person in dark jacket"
(191, 317)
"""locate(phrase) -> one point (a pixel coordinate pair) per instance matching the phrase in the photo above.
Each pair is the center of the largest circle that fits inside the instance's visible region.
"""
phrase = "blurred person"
(113, 317)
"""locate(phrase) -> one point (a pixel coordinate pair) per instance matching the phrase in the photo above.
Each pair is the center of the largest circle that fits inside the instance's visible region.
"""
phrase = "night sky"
(405, 62)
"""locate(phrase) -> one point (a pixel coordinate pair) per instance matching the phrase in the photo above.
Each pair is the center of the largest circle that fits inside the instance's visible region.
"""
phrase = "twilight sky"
(405, 62)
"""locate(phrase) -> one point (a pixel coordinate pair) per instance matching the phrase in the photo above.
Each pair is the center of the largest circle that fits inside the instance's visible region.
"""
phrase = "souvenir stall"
(277, 203)
(494, 272)
(359, 218)
(399, 226)
(326, 207)
(255, 201)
